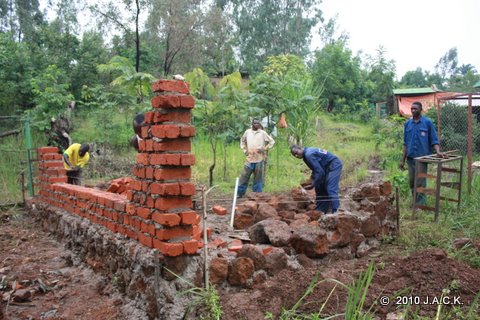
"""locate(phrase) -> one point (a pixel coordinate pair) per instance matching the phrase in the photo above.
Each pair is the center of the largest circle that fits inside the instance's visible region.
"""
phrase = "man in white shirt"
(255, 142)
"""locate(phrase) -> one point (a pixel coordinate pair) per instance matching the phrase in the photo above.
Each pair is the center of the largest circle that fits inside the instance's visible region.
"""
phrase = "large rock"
(242, 220)
(277, 260)
(311, 241)
(265, 211)
(218, 270)
(271, 231)
(340, 228)
(255, 253)
(240, 271)
(370, 225)
(247, 207)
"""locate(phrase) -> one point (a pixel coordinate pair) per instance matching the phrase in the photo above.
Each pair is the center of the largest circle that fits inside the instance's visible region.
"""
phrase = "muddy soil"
(38, 281)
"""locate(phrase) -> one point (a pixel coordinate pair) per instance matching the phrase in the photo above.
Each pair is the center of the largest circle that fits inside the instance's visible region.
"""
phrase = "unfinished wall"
(157, 210)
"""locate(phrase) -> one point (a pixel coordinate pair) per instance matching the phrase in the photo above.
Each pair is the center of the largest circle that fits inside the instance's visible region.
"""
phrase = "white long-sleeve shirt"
(255, 143)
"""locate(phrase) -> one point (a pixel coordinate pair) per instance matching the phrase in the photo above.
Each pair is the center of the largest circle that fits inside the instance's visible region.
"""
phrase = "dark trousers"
(74, 177)
(327, 191)
(248, 169)
(421, 182)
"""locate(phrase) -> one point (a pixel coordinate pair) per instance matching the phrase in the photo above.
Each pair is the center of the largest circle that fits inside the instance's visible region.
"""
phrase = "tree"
(273, 27)
(414, 79)
(15, 76)
(135, 84)
(447, 65)
(337, 74)
(381, 73)
(51, 96)
(176, 24)
(122, 15)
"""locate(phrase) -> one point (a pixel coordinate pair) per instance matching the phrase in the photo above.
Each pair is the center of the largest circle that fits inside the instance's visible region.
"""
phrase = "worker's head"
(416, 108)
(296, 151)
(138, 122)
(84, 147)
(256, 124)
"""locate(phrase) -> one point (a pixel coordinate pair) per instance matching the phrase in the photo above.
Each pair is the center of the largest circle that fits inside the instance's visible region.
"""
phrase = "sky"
(415, 33)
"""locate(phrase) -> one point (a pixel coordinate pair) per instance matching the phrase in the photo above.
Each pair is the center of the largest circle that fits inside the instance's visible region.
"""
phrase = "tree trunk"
(213, 143)
(137, 39)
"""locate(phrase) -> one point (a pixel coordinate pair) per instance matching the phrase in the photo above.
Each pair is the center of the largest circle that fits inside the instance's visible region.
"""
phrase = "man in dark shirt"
(326, 171)
(419, 136)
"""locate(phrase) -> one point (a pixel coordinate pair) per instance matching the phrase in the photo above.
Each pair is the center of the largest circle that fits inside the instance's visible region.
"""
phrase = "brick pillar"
(50, 170)
(161, 193)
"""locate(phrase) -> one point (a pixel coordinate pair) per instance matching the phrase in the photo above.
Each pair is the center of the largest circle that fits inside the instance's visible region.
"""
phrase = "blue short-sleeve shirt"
(419, 137)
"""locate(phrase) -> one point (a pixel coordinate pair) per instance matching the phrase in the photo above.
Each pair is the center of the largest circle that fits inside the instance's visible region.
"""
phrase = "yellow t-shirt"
(74, 158)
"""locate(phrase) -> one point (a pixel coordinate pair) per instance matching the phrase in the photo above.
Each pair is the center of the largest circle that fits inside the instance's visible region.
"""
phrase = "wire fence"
(14, 162)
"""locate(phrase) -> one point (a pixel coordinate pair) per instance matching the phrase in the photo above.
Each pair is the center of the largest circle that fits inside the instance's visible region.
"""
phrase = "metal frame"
(439, 161)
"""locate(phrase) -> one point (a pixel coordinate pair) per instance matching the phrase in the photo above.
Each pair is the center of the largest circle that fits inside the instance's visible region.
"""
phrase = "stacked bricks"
(100, 207)
(161, 193)
(50, 170)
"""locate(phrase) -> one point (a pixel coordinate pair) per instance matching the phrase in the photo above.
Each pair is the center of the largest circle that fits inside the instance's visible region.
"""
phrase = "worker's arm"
(67, 161)
(269, 140)
(404, 156)
(243, 143)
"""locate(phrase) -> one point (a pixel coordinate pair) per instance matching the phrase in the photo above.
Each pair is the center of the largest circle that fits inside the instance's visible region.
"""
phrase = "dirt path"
(38, 281)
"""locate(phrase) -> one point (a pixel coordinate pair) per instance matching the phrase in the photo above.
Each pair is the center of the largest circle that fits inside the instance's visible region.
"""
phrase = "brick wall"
(157, 209)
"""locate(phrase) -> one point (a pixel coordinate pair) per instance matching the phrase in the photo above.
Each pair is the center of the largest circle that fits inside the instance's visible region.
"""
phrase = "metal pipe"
(234, 203)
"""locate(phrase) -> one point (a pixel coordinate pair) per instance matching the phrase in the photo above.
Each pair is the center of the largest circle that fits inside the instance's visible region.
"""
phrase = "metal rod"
(397, 205)
(414, 200)
(437, 191)
(234, 202)
(28, 145)
(205, 238)
(469, 145)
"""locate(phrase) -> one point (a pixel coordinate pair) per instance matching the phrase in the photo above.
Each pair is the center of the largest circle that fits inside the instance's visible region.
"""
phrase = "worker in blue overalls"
(326, 171)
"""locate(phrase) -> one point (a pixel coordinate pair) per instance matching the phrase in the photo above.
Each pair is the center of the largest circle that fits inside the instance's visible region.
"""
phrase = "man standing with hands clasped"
(419, 137)
(255, 142)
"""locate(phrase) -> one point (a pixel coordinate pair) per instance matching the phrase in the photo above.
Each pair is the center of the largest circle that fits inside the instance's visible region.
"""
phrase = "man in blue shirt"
(419, 137)
(326, 171)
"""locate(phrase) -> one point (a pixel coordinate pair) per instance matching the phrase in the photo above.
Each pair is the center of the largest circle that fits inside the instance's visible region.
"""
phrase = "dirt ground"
(39, 281)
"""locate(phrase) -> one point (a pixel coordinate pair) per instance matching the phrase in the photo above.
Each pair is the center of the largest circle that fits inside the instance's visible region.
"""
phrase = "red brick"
(166, 219)
(187, 189)
(141, 145)
(149, 116)
(168, 249)
(139, 172)
(52, 164)
(112, 226)
(148, 145)
(144, 213)
(149, 172)
(172, 203)
(165, 189)
(165, 85)
(57, 179)
(170, 115)
(144, 132)
(165, 101)
(175, 232)
(267, 250)
(165, 159)
(189, 217)
(235, 245)
(150, 202)
(121, 229)
(145, 185)
(129, 196)
(187, 131)
(132, 234)
(173, 173)
(145, 239)
(187, 102)
(143, 158)
(130, 208)
(183, 144)
(120, 205)
(187, 160)
(190, 246)
(219, 210)
(166, 131)
(44, 150)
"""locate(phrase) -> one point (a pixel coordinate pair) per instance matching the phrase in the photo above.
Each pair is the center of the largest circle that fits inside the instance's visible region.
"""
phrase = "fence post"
(28, 144)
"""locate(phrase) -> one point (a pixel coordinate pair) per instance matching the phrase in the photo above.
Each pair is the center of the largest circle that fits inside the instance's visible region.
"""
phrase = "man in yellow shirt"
(74, 159)
(255, 142)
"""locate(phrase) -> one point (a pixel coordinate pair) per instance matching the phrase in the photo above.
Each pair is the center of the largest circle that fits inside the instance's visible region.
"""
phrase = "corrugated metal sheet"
(414, 91)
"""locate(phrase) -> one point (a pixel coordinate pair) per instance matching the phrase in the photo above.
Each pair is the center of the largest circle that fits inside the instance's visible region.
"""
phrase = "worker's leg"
(70, 177)
(333, 183)
(244, 178)
(322, 201)
(421, 182)
(258, 177)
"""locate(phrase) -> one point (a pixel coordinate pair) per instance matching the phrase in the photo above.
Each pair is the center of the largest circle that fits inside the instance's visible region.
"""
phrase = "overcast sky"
(415, 33)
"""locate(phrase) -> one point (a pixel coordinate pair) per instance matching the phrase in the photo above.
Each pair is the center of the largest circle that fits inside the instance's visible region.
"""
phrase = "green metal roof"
(414, 91)
(477, 85)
